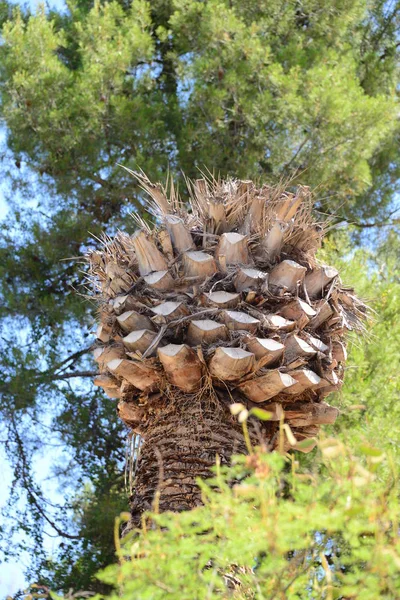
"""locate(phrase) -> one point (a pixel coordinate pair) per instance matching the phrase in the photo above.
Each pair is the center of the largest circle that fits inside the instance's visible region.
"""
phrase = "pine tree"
(219, 309)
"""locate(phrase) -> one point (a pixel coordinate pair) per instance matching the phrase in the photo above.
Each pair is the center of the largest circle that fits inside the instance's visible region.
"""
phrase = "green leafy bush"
(269, 529)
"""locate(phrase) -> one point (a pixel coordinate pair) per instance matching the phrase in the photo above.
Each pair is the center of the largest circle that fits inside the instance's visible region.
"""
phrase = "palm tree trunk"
(224, 301)
(180, 445)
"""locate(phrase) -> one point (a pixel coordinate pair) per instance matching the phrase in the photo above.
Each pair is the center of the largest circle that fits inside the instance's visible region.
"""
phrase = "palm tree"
(221, 304)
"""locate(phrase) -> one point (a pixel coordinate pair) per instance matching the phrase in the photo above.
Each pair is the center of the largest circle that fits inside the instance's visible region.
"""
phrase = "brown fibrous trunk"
(181, 444)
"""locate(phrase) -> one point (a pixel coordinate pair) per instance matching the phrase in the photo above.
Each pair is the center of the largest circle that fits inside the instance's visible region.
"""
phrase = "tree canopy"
(285, 89)
(304, 91)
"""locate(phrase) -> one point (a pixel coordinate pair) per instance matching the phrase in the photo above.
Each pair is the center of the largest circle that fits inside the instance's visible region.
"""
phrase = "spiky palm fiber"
(224, 299)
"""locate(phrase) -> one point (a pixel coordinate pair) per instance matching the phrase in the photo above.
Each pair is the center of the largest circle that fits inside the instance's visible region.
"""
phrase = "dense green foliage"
(303, 90)
(283, 88)
(372, 377)
(279, 533)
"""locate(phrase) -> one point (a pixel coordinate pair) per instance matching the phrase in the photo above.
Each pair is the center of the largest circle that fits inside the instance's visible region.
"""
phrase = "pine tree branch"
(386, 222)
(73, 357)
(75, 374)
(28, 487)
(295, 155)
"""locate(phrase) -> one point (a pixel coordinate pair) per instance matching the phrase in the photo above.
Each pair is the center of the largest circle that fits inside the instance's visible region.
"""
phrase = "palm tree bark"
(179, 446)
